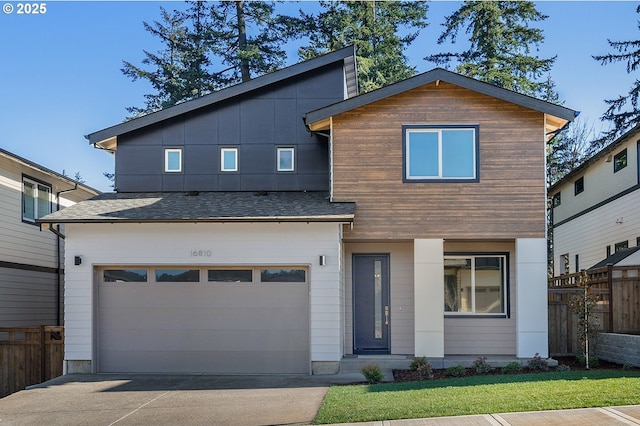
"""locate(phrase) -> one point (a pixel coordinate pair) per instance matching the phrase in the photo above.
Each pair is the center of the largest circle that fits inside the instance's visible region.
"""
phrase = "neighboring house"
(281, 224)
(595, 208)
(31, 274)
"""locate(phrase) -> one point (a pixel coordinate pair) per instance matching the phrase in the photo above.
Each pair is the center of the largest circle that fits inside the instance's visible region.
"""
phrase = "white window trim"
(166, 160)
(438, 130)
(504, 288)
(235, 166)
(293, 159)
(36, 191)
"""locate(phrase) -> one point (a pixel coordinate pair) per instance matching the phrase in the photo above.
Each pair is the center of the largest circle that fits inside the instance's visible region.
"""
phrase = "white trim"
(235, 165)
(293, 159)
(168, 151)
(36, 191)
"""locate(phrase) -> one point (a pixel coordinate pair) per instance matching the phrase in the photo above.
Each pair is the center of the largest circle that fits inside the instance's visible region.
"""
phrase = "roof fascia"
(221, 95)
(594, 158)
(435, 75)
(324, 218)
(42, 169)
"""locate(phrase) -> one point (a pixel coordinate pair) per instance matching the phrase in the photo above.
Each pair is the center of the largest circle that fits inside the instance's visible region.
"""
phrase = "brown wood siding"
(507, 202)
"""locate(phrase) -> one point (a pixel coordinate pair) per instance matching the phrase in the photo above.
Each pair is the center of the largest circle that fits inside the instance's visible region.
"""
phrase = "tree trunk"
(242, 41)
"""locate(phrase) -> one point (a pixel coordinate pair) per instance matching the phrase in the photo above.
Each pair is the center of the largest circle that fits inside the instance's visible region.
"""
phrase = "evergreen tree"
(622, 112)
(376, 28)
(168, 64)
(568, 150)
(500, 47)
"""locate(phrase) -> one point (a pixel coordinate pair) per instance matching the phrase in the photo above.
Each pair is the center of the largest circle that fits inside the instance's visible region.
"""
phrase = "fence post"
(42, 354)
(610, 285)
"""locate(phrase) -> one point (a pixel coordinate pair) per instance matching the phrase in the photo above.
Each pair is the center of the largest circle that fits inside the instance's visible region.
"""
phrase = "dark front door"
(371, 304)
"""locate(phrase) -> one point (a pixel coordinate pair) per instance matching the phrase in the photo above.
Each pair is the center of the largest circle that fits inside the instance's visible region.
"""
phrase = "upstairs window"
(620, 161)
(286, 159)
(621, 246)
(36, 200)
(229, 159)
(440, 153)
(556, 200)
(578, 186)
(173, 160)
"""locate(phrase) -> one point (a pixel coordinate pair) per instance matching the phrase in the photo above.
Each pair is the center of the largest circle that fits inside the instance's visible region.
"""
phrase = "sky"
(60, 75)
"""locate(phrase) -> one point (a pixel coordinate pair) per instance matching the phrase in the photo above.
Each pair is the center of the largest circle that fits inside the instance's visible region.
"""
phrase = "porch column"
(531, 298)
(428, 287)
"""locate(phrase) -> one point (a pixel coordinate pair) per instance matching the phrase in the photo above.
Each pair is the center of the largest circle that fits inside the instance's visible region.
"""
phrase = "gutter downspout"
(59, 236)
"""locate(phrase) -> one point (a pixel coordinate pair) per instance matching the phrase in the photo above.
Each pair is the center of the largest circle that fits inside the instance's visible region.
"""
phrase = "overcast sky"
(60, 71)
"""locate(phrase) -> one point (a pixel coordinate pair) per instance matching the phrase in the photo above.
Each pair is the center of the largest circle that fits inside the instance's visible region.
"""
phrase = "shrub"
(562, 368)
(593, 360)
(514, 367)
(422, 366)
(481, 365)
(537, 363)
(627, 367)
(457, 371)
(373, 373)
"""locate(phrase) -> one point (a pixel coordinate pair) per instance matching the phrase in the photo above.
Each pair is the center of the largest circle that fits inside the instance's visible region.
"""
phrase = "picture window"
(229, 159)
(36, 200)
(286, 159)
(173, 160)
(620, 161)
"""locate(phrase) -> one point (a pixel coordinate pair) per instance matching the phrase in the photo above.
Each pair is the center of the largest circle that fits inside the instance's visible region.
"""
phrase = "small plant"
(481, 365)
(563, 368)
(537, 363)
(514, 367)
(593, 360)
(627, 367)
(373, 373)
(422, 366)
(457, 371)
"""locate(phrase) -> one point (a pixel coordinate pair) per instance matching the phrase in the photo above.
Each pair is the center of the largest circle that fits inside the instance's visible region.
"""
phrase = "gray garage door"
(181, 320)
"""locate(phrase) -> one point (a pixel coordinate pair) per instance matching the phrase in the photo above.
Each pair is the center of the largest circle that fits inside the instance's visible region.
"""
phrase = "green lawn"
(480, 395)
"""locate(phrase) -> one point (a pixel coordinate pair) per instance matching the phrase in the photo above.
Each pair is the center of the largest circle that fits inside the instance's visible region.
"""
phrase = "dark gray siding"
(27, 298)
(256, 123)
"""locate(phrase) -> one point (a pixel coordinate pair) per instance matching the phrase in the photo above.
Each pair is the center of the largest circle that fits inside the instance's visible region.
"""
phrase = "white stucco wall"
(229, 244)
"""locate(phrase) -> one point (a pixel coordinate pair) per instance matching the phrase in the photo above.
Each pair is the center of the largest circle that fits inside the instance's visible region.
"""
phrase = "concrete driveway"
(169, 399)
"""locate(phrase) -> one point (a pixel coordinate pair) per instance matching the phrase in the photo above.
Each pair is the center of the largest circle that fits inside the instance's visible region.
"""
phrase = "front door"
(371, 304)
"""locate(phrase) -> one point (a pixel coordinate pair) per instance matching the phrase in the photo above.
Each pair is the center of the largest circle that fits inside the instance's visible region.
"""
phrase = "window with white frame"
(173, 160)
(475, 284)
(440, 153)
(229, 159)
(36, 199)
(286, 159)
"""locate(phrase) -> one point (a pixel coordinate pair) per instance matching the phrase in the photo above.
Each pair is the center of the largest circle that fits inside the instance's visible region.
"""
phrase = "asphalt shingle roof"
(205, 207)
(616, 257)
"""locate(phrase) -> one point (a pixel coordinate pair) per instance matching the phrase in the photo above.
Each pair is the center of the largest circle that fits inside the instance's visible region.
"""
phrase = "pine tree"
(622, 112)
(500, 47)
(376, 28)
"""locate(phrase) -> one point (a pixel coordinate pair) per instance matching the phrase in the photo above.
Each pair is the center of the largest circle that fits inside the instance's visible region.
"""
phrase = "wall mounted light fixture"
(322, 260)
(77, 260)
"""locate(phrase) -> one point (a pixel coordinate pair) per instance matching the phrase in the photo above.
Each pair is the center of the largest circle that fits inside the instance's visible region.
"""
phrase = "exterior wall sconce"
(323, 260)
(77, 260)
(620, 220)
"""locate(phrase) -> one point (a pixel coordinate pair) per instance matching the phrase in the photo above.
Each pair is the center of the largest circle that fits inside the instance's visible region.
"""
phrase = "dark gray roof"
(43, 169)
(594, 158)
(616, 257)
(205, 207)
(450, 77)
(346, 54)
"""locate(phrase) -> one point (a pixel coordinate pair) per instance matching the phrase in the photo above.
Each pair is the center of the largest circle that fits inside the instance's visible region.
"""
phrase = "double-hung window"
(475, 284)
(440, 153)
(36, 200)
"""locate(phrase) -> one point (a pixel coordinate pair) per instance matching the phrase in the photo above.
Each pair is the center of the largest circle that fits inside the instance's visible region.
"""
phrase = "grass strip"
(480, 395)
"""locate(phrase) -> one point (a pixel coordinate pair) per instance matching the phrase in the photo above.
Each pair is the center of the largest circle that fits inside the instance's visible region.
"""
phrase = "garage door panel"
(225, 362)
(203, 327)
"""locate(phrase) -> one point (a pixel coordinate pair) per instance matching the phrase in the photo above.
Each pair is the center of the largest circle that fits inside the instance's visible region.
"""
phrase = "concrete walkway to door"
(110, 399)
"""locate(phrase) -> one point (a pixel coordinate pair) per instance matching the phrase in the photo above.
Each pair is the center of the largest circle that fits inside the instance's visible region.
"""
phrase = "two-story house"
(31, 261)
(283, 223)
(595, 208)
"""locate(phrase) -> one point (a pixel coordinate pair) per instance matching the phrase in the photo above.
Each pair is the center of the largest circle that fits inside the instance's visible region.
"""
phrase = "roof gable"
(107, 138)
(616, 257)
(562, 114)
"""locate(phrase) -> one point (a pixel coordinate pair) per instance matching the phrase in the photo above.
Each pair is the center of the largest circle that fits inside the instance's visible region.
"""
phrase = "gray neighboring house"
(31, 260)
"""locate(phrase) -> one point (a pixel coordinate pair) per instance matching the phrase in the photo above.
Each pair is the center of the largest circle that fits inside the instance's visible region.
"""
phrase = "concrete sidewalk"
(101, 399)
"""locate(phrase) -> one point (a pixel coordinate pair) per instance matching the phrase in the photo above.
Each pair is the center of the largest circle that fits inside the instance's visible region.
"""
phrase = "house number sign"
(200, 253)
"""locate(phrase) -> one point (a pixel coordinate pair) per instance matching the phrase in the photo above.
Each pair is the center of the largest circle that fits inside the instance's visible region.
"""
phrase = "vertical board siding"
(507, 202)
(230, 244)
(401, 298)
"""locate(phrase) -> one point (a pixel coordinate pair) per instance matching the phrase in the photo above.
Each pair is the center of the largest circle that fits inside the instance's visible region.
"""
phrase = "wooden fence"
(617, 310)
(29, 356)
